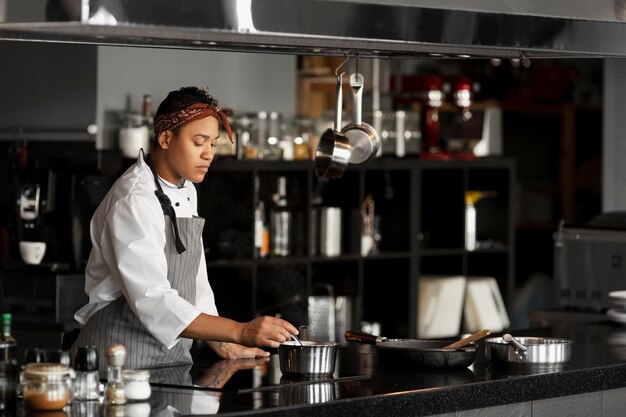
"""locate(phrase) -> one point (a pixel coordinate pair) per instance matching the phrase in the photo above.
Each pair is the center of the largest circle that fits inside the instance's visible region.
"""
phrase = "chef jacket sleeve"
(135, 227)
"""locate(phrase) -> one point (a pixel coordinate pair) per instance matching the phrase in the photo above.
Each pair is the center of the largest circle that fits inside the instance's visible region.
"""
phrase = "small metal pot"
(312, 358)
(333, 150)
(539, 350)
(363, 137)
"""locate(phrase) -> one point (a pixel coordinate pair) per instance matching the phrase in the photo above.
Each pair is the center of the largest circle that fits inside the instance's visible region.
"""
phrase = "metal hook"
(341, 65)
(524, 60)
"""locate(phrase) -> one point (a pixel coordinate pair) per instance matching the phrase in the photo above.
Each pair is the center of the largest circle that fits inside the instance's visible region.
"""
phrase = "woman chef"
(146, 275)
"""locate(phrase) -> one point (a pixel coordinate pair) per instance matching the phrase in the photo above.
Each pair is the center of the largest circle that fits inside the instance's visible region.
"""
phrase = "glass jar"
(46, 386)
(136, 384)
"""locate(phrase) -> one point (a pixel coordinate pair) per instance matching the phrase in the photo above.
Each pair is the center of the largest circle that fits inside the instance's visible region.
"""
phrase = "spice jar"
(136, 384)
(114, 389)
(46, 386)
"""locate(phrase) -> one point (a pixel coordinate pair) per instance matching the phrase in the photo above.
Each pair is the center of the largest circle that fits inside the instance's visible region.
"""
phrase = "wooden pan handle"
(361, 337)
(469, 339)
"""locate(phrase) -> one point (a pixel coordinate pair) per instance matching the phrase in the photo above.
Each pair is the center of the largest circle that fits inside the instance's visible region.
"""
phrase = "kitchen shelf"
(414, 198)
(387, 256)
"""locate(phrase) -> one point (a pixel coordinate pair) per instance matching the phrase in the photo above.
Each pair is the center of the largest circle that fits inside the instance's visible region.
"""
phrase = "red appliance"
(429, 92)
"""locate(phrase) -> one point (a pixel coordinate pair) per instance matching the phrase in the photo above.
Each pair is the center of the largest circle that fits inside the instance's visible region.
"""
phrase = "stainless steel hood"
(448, 28)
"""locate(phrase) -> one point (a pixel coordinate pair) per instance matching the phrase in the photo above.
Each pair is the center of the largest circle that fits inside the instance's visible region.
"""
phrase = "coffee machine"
(42, 216)
(55, 208)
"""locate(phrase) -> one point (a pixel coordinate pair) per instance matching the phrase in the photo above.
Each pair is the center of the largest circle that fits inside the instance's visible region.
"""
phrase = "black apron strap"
(166, 205)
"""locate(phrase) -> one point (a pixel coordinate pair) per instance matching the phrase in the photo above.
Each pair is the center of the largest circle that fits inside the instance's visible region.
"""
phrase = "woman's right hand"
(266, 331)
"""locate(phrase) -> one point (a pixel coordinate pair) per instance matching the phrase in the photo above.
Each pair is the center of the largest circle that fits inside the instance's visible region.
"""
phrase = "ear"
(164, 139)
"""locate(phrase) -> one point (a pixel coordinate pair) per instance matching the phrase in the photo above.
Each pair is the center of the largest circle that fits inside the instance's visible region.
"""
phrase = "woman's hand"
(262, 331)
(220, 372)
(266, 331)
(227, 350)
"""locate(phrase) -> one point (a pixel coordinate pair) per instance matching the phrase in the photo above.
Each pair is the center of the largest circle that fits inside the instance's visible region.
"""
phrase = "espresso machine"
(42, 216)
(55, 207)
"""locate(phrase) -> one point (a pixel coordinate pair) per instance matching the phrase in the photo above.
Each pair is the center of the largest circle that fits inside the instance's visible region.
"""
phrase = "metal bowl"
(540, 351)
(311, 359)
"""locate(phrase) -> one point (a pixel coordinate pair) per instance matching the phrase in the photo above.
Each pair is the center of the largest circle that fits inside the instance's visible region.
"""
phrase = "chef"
(146, 276)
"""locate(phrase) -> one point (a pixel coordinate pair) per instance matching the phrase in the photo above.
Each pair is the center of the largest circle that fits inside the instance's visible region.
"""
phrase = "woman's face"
(188, 153)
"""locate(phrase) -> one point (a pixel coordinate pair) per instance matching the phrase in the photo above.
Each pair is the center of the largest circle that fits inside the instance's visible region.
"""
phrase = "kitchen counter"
(362, 387)
(595, 376)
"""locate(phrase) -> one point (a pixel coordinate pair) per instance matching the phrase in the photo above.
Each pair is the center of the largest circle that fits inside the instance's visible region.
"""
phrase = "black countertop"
(364, 387)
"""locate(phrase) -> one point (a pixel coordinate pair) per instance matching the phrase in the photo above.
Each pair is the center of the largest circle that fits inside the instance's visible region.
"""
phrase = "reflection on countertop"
(258, 386)
(361, 386)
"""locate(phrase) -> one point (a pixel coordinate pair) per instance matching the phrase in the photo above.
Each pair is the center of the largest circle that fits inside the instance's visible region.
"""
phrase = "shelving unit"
(422, 210)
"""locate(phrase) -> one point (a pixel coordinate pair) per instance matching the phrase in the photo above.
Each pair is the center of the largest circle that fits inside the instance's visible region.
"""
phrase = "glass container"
(87, 385)
(114, 390)
(136, 384)
(46, 386)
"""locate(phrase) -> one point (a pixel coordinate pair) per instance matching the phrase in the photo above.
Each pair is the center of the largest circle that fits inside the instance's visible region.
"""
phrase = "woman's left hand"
(227, 350)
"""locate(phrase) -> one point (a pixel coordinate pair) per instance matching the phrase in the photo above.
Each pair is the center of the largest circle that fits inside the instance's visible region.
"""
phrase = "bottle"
(147, 111)
(259, 220)
(8, 366)
(261, 134)
(114, 389)
(7, 342)
(281, 221)
(301, 147)
(272, 149)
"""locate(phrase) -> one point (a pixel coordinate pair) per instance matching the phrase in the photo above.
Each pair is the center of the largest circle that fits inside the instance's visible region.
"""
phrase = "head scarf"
(196, 111)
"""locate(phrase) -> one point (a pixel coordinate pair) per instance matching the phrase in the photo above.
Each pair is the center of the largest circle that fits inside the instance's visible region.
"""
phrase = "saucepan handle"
(338, 102)
(361, 337)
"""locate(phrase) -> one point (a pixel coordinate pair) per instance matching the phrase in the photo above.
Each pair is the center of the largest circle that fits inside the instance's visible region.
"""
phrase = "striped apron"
(117, 323)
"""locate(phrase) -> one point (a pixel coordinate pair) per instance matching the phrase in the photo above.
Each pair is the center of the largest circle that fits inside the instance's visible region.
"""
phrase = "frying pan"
(363, 137)
(333, 150)
(415, 353)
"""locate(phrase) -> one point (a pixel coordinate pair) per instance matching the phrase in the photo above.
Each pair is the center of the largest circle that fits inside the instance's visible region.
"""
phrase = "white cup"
(32, 252)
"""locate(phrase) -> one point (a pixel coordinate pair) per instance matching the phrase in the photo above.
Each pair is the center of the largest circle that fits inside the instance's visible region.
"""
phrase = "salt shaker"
(87, 384)
(114, 389)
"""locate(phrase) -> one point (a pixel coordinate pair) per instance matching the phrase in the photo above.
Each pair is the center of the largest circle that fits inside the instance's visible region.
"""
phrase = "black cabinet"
(419, 209)
(47, 89)
(33, 295)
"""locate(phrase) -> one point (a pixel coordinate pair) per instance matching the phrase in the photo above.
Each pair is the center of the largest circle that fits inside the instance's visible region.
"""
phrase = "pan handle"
(361, 337)
(339, 102)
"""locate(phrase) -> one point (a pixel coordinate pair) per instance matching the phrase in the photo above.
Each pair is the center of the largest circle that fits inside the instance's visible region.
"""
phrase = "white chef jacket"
(127, 258)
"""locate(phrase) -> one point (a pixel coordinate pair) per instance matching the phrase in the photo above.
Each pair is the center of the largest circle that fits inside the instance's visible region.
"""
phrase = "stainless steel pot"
(333, 152)
(539, 350)
(311, 358)
(363, 137)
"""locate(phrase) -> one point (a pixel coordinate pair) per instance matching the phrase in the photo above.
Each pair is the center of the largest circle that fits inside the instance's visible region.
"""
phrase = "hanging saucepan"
(333, 150)
(413, 353)
(363, 137)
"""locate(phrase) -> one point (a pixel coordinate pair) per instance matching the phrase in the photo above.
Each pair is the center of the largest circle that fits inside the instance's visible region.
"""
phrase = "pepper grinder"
(114, 389)
(87, 385)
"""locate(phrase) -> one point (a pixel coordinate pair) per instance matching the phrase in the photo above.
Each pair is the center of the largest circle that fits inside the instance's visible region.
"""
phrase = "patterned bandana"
(196, 111)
